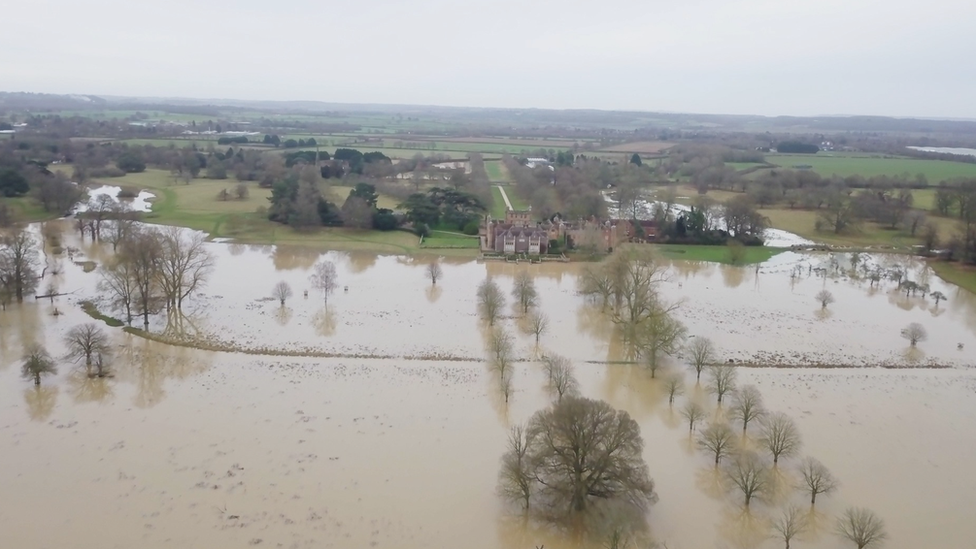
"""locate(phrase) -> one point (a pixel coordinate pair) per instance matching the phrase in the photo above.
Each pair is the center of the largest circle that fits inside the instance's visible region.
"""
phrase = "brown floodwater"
(188, 448)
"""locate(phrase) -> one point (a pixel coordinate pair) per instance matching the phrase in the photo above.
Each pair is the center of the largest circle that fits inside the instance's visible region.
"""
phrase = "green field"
(715, 254)
(26, 209)
(498, 203)
(867, 166)
(739, 166)
(196, 206)
(443, 239)
(496, 172)
(957, 274)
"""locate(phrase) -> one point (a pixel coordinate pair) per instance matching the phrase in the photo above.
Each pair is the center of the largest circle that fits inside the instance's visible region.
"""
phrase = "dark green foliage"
(13, 183)
(471, 228)
(384, 220)
(797, 147)
(421, 210)
(131, 162)
(229, 140)
(636, 159)
(365, 191)
(329, 213)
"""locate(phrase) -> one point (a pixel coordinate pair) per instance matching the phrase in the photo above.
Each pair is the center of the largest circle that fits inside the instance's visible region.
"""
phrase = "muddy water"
(188, 448)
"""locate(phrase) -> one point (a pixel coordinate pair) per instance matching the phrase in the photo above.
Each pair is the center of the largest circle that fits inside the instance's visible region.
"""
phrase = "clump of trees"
(155, 269)
(626, 285)
(541, 468)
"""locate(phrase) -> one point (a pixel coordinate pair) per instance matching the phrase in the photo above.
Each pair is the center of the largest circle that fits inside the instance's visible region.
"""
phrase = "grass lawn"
(515, 199)
(802, 223)
(497, 209)
(26, 209)
(715, 254)
(739, 166)
(496, 172)
(960, 275)
(443, 239)
(826, 164)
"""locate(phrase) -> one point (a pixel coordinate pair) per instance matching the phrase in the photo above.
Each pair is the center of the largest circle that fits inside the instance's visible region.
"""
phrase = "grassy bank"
(956, 273)
(26, 209)
(716, 254)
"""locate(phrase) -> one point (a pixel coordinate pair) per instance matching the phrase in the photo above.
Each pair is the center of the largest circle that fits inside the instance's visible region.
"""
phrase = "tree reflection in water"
(89, 388)
(40, 401)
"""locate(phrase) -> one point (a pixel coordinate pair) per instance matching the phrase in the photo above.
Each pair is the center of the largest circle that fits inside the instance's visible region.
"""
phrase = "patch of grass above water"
(92, 311)
(716, 254)
(956, 273)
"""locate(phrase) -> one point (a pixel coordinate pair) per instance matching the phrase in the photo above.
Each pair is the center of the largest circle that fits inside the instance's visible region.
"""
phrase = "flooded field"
(389, 432)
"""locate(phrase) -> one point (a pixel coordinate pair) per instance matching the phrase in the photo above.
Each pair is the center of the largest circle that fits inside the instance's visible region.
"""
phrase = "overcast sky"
(799, 57)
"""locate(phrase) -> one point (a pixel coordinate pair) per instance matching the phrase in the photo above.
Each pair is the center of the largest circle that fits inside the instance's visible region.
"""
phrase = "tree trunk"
(813, 498)
(37, 380)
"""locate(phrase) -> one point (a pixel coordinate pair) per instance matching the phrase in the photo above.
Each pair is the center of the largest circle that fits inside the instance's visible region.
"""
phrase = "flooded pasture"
(388, 432)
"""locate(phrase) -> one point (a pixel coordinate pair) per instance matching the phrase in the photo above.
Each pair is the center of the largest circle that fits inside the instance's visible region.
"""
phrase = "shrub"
(471, 228)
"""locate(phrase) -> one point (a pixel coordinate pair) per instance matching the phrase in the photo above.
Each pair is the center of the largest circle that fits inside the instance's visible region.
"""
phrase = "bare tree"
(490, 300)
(747, 405)
(121, 225)
(562, 381)
(86, 342)
(717, 439)
(515, 481)
(37, 363)
(701, 353)
(825, 298)
(184, 264)
(595, 282)
(694, 413)
(538, 324)
(18, 264)
(659, 335)
(914, 333)
(324, 278)
(240, 191)
(817, 479)
(143, 252)
(779, 436)
(553, 362)
(577, 434)
(434, 272)
(674, 384)
(938, 296)
(501, 346)
(862, 527)
(281, 292)
(749, 473)
(524, 292)
(721, 380)
(119, 280)
(790, 523)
